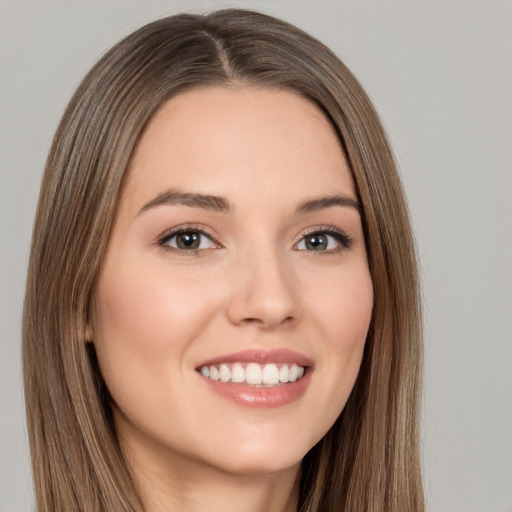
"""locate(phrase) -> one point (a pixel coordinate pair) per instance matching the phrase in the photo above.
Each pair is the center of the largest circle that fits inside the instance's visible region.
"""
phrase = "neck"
(227, 493)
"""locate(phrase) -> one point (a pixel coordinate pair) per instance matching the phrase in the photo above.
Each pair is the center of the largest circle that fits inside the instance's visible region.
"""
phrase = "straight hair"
(369, 460)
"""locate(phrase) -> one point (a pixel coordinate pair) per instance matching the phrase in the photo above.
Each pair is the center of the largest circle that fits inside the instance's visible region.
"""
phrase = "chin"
(262, 458)
(259, 465)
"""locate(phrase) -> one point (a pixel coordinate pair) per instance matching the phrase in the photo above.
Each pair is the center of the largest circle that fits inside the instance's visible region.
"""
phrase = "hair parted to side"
(369, 460)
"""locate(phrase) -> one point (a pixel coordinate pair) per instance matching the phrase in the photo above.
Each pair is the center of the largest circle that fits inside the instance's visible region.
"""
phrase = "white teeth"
(214, 373)
(283, 373)
(253, 373)
(270, 374)
(237, 373)
(294, 373)
(224, 373)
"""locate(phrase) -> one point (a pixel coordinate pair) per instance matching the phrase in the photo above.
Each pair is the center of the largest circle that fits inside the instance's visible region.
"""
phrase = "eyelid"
(344, 240)
(340, 235)
(184, 228)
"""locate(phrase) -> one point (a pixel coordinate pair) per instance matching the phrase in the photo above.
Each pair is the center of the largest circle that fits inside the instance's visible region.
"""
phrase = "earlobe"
(88, 335)
(88, 324)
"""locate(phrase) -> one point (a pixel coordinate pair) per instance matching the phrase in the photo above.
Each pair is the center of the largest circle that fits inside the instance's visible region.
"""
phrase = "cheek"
(351, 323)
(343, 308)
(343, 316)
(144, 322)
(147, 307)
(353, 312)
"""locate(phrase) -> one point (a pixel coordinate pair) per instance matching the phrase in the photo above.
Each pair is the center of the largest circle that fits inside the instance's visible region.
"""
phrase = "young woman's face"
(235, 297)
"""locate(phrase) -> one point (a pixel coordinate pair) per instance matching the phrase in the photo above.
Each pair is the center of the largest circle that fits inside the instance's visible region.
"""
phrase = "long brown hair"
(369, 460)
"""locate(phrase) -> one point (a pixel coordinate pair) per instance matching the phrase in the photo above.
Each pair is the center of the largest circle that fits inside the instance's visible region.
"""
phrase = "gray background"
(440, 74)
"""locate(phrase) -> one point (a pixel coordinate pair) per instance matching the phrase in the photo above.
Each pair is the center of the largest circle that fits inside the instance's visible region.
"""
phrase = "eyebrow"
(221, 204)
(322, 203)
(191, 199)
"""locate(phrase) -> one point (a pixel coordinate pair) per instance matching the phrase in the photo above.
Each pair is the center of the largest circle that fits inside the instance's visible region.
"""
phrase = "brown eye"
(189, 240)
(316, 242)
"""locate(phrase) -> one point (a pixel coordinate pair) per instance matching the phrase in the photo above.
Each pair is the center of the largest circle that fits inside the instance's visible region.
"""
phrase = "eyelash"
(340, 236)
(169, 235)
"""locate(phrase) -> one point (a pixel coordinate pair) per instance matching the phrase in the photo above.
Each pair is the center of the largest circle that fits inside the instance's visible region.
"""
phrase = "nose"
(263, 292)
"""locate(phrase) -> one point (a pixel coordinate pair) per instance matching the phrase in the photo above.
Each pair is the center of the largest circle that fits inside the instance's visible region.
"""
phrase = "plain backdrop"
(440, 74)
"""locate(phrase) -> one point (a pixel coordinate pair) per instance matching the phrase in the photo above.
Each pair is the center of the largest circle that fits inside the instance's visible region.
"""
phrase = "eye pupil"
(316, 242)
(188, 240)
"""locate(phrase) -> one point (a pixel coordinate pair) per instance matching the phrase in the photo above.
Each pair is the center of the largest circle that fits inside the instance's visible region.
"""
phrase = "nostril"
(266, 322)
(263, 302)
(288, 320)
(253, 321)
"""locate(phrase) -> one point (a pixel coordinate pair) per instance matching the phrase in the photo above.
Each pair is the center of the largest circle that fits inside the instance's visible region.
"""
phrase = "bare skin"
(238, 230)
(172, 485)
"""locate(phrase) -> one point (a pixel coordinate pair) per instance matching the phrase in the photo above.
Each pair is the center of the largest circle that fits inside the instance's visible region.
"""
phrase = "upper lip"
(261, 356)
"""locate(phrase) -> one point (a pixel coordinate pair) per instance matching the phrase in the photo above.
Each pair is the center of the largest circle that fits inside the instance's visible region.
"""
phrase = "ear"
(88, 335)
(88, 324)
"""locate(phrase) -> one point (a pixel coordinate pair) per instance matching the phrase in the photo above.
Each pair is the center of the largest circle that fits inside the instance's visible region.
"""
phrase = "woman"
(222, 305)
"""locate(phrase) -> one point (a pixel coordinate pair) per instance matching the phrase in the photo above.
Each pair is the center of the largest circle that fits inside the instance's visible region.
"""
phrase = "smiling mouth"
(253, 374)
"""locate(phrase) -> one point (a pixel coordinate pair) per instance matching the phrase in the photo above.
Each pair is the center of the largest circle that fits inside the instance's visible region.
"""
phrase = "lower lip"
(261, 397)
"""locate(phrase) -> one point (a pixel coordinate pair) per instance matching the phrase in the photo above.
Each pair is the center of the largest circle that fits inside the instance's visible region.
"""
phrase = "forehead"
(238, 141)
